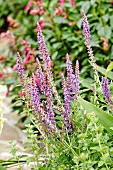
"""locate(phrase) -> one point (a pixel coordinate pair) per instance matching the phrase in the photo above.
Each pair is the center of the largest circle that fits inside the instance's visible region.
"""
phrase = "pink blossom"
(39, 2)
(34, 12)
(26, 46)
(7, 93)
(61, 2)
(39, 11)
(60, 12)
(28, 5)
(8, 35)
(15, 67)
(22, 94)
(13, 23)
(1, 75)
(72, 2)
(41, 23)
(25, 106)
(27, 58)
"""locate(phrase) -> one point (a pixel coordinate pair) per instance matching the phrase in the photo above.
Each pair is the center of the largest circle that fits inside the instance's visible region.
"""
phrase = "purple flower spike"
(42, 48)
(86, 32)
(106, 91)
(46, 62)
(50, 111)
(69, 67)
(20, 68)
(35, 95)
(72, 80)
(67, 101)
(41, 78)
(86, 29)
(69, 80)
(76, 81)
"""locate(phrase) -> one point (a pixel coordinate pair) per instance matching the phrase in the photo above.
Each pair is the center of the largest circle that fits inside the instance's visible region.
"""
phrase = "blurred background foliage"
(62, 27)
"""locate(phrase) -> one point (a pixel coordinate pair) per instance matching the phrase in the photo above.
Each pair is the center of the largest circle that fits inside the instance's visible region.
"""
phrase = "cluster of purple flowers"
(106, 92)
(43, 83)
(70, 87)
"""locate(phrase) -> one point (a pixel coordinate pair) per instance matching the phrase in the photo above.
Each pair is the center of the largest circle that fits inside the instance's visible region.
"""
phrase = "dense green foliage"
(63, 34)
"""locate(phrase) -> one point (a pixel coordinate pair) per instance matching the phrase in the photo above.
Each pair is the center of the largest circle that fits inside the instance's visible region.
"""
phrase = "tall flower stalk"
(46, 62)
(86, 32)
(71, 89)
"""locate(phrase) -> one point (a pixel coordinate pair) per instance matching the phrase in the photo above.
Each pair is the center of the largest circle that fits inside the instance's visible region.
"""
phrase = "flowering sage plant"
(42, 83)
(71, 132)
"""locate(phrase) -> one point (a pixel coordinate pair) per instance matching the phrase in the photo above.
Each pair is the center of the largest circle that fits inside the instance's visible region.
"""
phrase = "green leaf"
(79, 23)
(107, 32)
(54, 55)
(40, 150)
(109, 68)
(95, 41)
(103, 71)
(58, 118)
(111, 21)
(105, 17)
(93, 2)
(105, 156)
(57, 45)
(2, 168)
(100, 163)
(60, 20)
(105, 119)
(86, 83)
(86, 6)
(104, 31)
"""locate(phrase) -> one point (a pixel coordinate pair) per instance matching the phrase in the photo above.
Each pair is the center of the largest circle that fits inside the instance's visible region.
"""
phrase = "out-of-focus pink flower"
(22, 94)
(39, 2)
(41, 23)
(7, 93)
(5, 34)
(27, 58)
(28, 5)
(111, 2)
(25, 106)
(9, 36)
(72, 2)
(2, 57)
(15, 67)
(12, 22)
(23, 42)
(36, 81)
(105, 43)
(28, 52)
(61, 2)
(34, 12)
(26, 46)
(1, 75)
(39, 11)
(60, 12)
(71, 23)
(52, 64)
